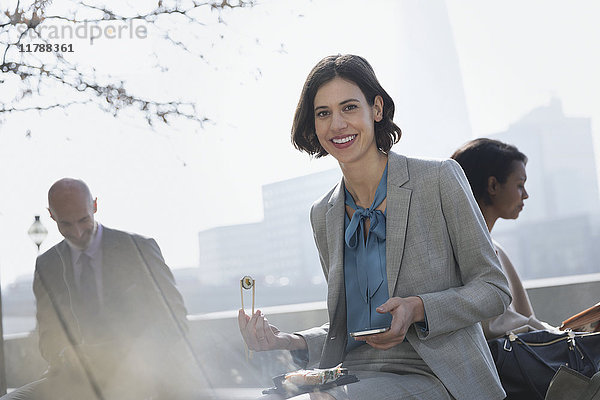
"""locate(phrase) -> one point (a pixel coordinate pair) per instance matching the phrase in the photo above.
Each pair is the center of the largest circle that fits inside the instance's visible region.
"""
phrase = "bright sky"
(175, 181)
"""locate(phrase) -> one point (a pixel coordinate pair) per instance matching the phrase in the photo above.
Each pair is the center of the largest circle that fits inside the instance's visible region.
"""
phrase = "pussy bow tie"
(368, 271)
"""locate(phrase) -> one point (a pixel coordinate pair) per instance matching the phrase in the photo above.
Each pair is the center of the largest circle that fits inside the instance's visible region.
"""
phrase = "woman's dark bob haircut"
(358, 71)
(482, 158)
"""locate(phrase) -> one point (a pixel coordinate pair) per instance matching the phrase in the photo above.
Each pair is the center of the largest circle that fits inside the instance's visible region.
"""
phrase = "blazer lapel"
(58, 276)
(398, 203)
(114, 267)
(109, 245)
(64, 253)
(336, 299)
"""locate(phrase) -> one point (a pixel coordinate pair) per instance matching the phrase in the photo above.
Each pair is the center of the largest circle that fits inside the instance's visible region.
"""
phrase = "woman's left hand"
(405, 312)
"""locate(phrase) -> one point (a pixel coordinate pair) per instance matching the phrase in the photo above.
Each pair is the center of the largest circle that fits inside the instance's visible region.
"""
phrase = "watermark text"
(88, 30)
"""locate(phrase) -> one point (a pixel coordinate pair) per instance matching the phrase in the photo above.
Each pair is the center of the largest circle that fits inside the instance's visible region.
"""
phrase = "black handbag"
(526, 362)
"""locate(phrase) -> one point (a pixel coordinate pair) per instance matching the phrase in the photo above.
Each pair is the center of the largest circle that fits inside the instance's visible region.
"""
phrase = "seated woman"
(402, 245)
(496, 172)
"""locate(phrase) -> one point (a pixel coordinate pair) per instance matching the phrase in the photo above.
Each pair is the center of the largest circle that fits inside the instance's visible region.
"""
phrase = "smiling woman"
(362, 90)
(369, 228)
(344, 119)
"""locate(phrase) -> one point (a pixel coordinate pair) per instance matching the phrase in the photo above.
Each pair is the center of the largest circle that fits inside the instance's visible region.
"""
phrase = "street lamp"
(37, 232)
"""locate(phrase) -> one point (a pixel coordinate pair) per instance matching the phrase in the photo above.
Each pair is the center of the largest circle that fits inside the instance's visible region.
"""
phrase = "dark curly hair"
(354, 69)
(482, 158)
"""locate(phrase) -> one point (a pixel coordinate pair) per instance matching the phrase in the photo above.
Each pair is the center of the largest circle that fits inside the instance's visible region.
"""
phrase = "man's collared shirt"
(94, 251)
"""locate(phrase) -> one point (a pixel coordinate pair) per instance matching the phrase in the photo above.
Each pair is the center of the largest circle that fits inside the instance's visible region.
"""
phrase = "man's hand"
(405, 312)
(259, 335)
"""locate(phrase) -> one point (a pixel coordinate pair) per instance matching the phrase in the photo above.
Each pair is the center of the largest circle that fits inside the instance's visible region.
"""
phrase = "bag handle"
(508, 347)
(533, 353)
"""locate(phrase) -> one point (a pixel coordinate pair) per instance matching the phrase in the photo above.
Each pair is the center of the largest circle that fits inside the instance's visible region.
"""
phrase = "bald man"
(111, 323)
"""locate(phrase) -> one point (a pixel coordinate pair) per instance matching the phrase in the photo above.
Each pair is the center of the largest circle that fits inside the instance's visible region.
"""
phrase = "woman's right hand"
(259, 335)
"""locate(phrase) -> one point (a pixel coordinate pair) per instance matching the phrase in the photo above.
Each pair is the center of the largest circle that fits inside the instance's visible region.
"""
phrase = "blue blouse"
(365, 266)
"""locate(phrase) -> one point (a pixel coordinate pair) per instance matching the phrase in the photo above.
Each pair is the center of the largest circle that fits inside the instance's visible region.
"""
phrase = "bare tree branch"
(25, 26)
(44, 108)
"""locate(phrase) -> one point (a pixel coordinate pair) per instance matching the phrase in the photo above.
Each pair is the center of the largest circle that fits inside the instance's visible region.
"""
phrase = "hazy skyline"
(173, 182)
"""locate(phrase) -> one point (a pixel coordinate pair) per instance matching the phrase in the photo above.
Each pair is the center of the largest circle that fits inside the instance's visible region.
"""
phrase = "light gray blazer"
(437, 248)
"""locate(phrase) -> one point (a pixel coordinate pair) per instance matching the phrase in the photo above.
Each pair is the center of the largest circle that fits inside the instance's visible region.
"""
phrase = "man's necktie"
(88, 287)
